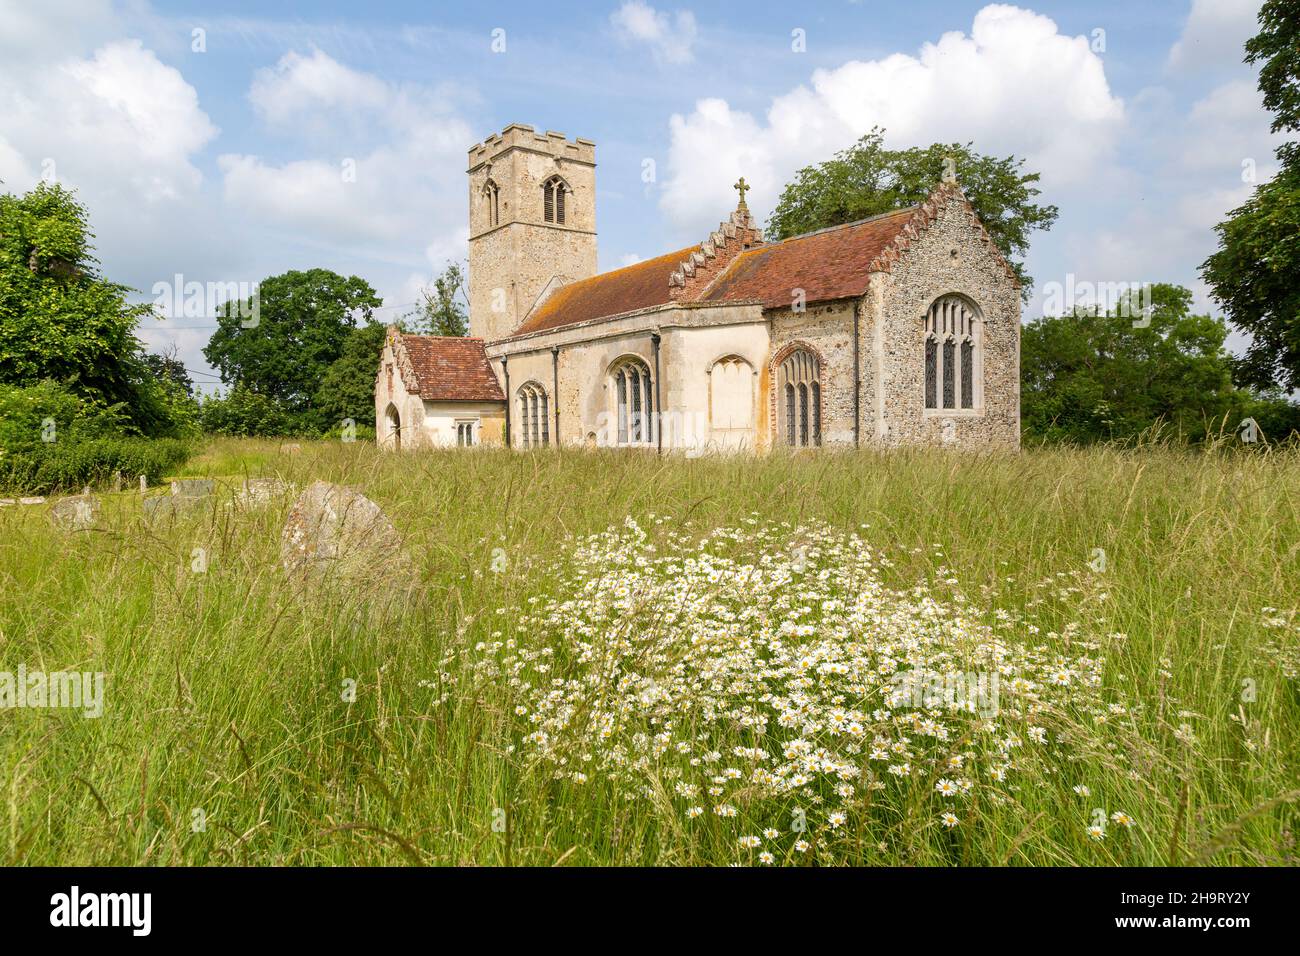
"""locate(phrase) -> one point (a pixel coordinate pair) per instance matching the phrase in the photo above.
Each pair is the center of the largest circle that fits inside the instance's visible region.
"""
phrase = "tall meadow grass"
(248, 723)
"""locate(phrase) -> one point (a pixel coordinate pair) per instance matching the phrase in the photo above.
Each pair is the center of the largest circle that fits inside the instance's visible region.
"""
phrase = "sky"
(225, 141)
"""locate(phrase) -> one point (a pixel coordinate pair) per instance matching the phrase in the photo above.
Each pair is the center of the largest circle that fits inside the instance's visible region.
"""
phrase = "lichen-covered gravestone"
(337, 534)
(260, 491)
(76, 512)
(193, 487)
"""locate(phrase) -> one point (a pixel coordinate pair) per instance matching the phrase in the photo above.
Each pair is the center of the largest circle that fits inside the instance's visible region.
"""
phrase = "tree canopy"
(347, 390)
(282, 345)
(60, 319)
(867, 179)
(1253, 273)
(440, 311)
(1093, 376)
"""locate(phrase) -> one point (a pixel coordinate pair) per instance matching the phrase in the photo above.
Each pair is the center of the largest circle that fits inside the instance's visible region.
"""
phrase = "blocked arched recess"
(733, 399)
(392, 428)
(797, 372)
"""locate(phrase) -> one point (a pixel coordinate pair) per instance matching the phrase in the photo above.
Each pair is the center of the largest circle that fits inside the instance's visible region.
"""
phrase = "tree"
(60, 319)
(169, 367)
(867, 179)
(347, 389)
(1095, 376)
(1253, 273)
(440, 313)
(281, 345)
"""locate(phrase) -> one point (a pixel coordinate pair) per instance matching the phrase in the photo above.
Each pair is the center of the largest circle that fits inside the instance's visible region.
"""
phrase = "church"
(903, 328)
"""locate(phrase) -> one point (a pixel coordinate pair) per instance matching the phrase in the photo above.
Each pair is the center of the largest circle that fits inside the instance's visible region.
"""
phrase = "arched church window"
(492, 203)
(634, 402)
(953, 360)
(553, 191)
(534, 416)
(799, 380)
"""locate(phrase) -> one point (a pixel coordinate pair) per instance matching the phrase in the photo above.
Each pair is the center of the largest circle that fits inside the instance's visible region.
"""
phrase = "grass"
(228, 735)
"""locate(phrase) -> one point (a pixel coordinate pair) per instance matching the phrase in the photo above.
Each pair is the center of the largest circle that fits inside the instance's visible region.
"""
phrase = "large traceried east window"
(799, 403)
(634, 402)
(953, 360)
(553, 194)
(534, 417)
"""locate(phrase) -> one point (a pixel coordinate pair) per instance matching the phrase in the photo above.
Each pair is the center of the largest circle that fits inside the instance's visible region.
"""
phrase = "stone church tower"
(532, 223)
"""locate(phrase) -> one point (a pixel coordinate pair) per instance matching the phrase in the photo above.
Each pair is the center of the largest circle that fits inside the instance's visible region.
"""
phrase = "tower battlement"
(523, 136)
(532, 222)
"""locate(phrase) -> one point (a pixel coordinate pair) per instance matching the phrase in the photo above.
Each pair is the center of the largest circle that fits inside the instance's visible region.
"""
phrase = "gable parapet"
(733, 236)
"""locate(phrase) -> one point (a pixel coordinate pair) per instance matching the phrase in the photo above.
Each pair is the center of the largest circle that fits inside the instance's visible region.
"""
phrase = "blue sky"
(218, 155)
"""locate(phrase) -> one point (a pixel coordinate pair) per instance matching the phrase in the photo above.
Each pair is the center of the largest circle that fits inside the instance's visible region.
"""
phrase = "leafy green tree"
(244, 413)
(1253, 273)
(347, 389)
(280, 345)
(1089, 377)
(867, 179)
(440, 311)
(60, 319)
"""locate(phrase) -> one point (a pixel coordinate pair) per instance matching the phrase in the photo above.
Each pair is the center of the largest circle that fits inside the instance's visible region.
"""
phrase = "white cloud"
(1214, 34)
(386, 165)
(298, 86)
(118, 123)
(1228, 127)
(670, 38)
(1014, 85)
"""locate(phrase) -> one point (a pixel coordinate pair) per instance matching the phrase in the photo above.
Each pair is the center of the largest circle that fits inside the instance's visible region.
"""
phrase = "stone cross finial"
(742, 187)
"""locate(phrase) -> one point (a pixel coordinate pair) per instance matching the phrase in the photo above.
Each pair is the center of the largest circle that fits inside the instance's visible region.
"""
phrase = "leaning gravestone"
(193, 487)
(76, 512)
(188, 494)
(338, 534)
(260, 491)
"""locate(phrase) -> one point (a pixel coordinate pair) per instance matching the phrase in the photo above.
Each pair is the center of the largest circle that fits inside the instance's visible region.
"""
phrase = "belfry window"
(553, 191)
(799, 381)
(953, 363)
(492, 203)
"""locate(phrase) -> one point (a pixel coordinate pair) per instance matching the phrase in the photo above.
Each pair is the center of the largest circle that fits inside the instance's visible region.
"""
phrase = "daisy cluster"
(766, 683)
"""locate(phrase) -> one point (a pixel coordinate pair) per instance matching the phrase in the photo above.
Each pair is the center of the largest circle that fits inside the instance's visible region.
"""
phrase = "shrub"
(53, 440)
(68, 465)
(246, 414)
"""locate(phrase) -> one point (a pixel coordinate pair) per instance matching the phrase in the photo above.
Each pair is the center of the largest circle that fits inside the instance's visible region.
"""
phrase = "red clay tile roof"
(449, 369)
(637, 286)
(828, 264)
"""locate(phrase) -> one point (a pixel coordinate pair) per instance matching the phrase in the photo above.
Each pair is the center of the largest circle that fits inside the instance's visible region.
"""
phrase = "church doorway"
(394, 427)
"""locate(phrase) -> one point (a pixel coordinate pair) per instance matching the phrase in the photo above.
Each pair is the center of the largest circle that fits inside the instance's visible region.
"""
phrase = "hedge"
(70, 465)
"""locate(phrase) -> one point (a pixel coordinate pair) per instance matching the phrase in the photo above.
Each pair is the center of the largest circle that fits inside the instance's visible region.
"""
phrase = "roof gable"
(445, 368)
(831, 263)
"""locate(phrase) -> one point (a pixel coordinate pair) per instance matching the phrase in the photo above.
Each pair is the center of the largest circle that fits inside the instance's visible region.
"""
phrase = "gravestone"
(337, 534)
(193, 487)
(260, 491)
(76, 512)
